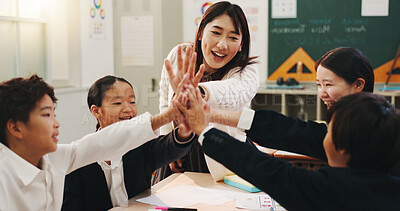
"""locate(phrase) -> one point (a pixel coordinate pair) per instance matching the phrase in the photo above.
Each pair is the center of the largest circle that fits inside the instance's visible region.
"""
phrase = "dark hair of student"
(366, 126)
(349, 64)
(238, 17)
(98, 90)
(18, 97)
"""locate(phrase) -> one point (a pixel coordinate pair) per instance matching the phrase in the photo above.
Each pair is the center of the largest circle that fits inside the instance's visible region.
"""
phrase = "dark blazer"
(299, 189)
(278, 131)
(86, 188)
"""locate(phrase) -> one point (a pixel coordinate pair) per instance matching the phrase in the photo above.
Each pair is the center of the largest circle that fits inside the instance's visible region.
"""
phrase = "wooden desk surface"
(188, 178)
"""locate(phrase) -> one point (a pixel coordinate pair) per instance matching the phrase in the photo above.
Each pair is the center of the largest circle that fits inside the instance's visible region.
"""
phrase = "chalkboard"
(323, 25)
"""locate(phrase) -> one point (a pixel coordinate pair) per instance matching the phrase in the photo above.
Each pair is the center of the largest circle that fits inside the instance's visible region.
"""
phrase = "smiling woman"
(230, 79)
(220, 43)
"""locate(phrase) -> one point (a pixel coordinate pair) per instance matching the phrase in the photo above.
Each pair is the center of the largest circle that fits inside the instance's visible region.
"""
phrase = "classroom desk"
(188, 178)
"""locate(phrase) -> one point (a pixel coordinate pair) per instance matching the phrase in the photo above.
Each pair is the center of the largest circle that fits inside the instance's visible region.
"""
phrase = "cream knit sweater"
(233, 92)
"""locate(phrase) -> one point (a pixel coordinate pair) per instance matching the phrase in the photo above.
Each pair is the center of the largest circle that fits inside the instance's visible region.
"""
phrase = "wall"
(88, 60)
(97, 42)
(73, 114)
(72, 111)
(167, 32)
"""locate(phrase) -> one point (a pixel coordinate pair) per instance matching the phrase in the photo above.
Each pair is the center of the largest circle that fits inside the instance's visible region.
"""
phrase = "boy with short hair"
(32, 165)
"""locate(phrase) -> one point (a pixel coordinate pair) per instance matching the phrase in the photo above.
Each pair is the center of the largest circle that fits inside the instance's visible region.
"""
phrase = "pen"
(175, 208)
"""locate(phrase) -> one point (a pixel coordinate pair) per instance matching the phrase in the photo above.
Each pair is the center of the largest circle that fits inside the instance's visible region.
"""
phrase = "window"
(23, 38)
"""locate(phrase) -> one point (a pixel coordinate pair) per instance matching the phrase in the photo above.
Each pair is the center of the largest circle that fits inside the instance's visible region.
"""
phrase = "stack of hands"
(192, 111)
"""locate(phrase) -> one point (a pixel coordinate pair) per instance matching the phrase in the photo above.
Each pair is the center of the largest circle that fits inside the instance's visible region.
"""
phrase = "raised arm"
(111, 142)
(225, 117)
(176, 65)
(265, 127)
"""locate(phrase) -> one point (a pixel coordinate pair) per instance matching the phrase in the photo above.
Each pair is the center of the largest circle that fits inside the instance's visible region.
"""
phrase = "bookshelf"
(303, 103)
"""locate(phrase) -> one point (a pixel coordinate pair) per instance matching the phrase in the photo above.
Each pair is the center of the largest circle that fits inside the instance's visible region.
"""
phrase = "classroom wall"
(72, 111)
(89, 58)
(97, 40)
(73, 114)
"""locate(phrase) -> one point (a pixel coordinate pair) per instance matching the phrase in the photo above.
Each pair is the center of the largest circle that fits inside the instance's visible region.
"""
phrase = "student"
(107, 184)
(362, 146)
(340, 72)
(230, 80)
(32, 165)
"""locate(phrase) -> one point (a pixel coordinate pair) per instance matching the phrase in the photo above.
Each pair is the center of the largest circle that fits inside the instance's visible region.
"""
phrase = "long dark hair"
(98, 90)
(349, 64)
(238, 17)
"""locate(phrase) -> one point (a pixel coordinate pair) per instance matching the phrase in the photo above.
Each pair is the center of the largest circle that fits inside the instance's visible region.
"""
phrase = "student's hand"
(186, 66)
(179, 118)
(177, 166)
(184, 130)
(196, 110)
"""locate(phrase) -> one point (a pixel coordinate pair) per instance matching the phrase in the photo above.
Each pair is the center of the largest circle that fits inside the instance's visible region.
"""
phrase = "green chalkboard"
(322, 25)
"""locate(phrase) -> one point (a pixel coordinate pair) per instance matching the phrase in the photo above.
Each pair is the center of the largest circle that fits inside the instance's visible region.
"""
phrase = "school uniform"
(26, 187)
(296, 188)
(88, 188)
(278, 131)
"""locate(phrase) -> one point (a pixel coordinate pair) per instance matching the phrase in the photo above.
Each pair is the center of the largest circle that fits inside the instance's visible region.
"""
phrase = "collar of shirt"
(114, 163)
(25, 170)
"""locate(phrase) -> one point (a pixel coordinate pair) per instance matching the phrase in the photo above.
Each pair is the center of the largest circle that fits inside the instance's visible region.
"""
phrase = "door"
(134, 18)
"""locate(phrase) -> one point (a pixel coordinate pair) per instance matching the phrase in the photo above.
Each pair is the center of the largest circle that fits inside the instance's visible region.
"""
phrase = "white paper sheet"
(217, 170)
(137, 41)
(257, 202)
(284, 9)
(375, 8)
(186, 195)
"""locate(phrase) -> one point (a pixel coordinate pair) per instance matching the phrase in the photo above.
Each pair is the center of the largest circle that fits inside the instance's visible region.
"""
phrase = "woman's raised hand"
(187, 65)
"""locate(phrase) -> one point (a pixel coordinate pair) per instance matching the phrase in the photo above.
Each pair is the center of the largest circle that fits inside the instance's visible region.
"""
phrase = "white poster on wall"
(97, 21)
(137, 40)
(374, 7)
(284, 9)
(97, 42)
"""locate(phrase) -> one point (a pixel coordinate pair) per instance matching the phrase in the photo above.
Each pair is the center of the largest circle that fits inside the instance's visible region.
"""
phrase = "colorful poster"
(97, 24)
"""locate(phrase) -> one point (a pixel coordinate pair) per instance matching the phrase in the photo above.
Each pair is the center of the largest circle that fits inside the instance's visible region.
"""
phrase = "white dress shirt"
(114, 174)
(25, 187)
(244, 123)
